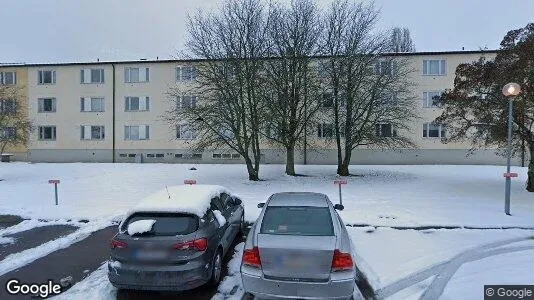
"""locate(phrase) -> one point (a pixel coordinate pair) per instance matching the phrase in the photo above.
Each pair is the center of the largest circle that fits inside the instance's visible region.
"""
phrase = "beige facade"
(21, 71)
(131, 99)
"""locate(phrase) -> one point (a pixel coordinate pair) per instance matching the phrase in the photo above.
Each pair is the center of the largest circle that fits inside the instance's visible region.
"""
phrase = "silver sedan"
(298, 248)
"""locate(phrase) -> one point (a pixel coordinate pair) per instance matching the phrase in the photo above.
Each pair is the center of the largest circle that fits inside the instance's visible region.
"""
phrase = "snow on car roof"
(193, 199)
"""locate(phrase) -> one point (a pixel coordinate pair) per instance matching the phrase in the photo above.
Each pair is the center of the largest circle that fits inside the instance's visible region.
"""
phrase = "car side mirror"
(260, 205)
(339, 207)
(237, 201)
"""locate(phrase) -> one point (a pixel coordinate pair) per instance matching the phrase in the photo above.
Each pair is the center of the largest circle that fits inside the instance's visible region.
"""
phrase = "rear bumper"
(159, 278)
(275, 289)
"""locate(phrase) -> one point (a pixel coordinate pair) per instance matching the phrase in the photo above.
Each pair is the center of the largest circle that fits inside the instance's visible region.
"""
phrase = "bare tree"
(372, 102)
(230, 43)
(14, 124)
(292, 100)
(401, 40)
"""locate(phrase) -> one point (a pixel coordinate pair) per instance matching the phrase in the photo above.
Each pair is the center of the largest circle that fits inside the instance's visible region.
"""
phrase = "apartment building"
(112, 112)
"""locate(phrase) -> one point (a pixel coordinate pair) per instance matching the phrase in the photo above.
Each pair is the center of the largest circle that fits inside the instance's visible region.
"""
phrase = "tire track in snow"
(446, 270)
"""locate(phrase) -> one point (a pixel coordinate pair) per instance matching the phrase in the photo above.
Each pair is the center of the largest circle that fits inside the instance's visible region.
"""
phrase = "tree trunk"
(290, 160)
(530, 179)
(3, 148)
(344, 168)
(252, 172)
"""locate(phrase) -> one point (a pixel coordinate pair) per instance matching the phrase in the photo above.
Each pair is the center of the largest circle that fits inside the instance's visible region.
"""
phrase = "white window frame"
(84, 73)
(87, 132)
(41, 132)
(40, 108)
(40, 77)
(87, 104)
(180, 73)
(3, 77)
(378, 130)
(442, 67)
(193, 101)
(143, 74)
(185, 132)
(128, 103)
(442, 131)
(140, 137)
(380, 67)
(428, 101)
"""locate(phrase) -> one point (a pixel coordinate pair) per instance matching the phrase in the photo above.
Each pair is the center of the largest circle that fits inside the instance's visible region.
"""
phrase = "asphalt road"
(34, 237)
(77, 261)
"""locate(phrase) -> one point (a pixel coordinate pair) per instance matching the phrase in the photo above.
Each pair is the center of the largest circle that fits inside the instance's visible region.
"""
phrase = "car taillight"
(118, 244)
(251, 257)
(199, 244)
(342, 261)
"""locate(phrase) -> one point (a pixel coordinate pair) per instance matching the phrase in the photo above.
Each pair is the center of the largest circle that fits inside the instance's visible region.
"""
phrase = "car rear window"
(297, 220)
(166, 224)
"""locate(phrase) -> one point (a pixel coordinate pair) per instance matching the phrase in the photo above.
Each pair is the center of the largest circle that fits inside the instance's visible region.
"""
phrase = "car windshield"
(163, 224)
(297, 220)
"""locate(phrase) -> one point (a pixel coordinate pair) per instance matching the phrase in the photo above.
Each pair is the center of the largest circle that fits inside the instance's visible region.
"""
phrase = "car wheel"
(216, 269)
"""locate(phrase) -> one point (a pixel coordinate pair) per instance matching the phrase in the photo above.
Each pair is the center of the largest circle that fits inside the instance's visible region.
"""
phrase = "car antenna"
(168, 192)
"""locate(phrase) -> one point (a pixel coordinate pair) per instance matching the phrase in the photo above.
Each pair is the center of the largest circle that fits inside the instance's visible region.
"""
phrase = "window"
(159, 155)
(46, 105)
(165, 224)
(89, 132)
(188, 73)
(178, 155)
(92, 76)
(389, 99)
(196, 156)
(185, 102)
(328, 100)
(7, 133)
(137, 132)
(92, 104)
(47, 133)
(385, 130)
(137, 104)
(8, 78)
(236, 156)
(325, 130)
(185, 132)
(8, 106)
(132, 155)
(431, 99)
(434, 67)
(150, 155)
(136, 75)
(295, 220)
(123, 155)
(434, 130)
(46, 77)
(385, 67)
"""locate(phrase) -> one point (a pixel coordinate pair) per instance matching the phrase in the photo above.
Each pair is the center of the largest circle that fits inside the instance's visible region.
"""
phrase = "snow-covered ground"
(398, 263)
(384, 195)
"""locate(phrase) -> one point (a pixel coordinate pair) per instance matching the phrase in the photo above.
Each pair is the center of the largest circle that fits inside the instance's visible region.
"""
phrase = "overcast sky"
(71, 30)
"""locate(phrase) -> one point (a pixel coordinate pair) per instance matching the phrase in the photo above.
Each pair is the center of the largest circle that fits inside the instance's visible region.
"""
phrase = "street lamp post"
(510, 90)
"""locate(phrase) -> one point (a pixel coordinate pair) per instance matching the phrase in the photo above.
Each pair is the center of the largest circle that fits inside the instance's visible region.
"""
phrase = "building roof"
(121, 62)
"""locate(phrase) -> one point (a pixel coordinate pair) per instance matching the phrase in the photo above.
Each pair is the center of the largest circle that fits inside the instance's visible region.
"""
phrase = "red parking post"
(340, 182)
(55, 182)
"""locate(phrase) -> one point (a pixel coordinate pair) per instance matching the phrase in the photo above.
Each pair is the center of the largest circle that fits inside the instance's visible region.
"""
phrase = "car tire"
(216, 269)
(247, 296)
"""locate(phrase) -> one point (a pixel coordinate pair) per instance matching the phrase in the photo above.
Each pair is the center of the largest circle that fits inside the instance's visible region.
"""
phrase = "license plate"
(151, 255)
